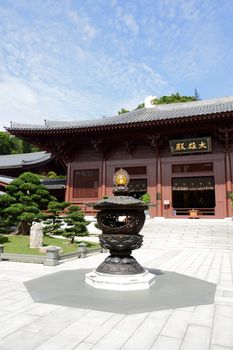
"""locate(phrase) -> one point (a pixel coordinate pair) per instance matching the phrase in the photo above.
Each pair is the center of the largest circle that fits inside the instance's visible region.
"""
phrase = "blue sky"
(82, 59)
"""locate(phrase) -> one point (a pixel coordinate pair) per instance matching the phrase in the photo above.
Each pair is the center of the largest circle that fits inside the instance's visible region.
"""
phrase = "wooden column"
(159, 186)
(226, 136)
(103, 183)
(228, 183)
(69, 185)
(101, 147)
(156, 143)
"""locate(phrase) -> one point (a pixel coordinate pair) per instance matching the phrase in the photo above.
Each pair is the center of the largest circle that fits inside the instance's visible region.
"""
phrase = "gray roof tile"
(158, 112)
(53, 184)
(20, 160)
(6, 179)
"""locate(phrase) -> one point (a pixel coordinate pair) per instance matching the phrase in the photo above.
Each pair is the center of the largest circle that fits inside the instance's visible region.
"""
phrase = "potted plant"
(193, 213)
(146, 199)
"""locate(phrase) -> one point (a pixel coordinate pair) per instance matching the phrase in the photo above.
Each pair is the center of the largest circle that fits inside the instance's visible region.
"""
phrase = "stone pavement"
(28, 325)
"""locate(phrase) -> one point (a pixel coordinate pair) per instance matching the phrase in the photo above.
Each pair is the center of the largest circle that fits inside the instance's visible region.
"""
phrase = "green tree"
(6, 143)
(65, 219)
(53, 175)
(76, 225)
(196, 94)
(11, 145)
(54, 218)
(173, 98)
(141, 105)
(23, 203)
(122, 111)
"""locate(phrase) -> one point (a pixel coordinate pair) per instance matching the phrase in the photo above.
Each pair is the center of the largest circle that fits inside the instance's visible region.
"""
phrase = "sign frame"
(191, 145)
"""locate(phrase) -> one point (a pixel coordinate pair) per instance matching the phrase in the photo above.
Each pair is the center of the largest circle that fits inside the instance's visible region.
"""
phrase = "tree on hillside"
(173, 98)
(6, 143)
(12, 145)
(122, 111)
(141, 105)
(23, 203)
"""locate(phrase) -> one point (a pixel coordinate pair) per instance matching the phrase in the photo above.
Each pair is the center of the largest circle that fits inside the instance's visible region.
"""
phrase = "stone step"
(208, 235)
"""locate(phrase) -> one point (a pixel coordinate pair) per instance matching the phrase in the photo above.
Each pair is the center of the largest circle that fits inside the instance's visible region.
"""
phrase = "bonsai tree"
(23, 203)
(65, 219)
(54, 218)
(76, 223)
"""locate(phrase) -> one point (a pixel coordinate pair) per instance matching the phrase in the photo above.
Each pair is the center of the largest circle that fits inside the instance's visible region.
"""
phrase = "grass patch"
(20, 245)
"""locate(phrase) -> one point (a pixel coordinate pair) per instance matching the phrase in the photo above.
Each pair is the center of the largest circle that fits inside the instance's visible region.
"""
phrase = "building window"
(86, 183)
(137, 170)
(192, 168)
(138, 185)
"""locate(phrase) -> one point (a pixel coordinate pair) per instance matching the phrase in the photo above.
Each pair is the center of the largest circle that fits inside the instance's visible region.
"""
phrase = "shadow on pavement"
(170, 291)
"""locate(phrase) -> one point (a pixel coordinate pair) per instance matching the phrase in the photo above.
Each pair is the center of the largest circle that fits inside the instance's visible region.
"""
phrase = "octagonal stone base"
(120, 282)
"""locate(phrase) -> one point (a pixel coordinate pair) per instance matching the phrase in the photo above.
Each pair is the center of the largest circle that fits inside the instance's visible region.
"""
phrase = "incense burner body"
(120, 218)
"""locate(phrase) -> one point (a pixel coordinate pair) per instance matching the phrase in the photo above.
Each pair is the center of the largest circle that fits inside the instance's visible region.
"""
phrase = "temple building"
(180, 154)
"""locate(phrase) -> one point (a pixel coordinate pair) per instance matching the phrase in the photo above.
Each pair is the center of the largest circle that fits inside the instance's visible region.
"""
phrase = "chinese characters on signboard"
(197, 145)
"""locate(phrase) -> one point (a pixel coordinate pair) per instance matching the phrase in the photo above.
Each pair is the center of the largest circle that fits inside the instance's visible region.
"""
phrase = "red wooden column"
(69, 185)
(159, 187)
(103, 179)
(228, 183)
(226, 135)
(156, 143)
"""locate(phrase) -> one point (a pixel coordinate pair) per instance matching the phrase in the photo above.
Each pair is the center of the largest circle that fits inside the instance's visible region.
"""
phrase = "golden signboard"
(195, 145)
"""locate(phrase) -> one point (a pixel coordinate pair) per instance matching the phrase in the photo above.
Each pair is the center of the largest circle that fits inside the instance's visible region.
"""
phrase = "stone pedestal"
(120, 282)
(52, 257)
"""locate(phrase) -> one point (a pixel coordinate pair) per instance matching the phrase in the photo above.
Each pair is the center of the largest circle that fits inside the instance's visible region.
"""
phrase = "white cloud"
(83, 25)
(131, 23)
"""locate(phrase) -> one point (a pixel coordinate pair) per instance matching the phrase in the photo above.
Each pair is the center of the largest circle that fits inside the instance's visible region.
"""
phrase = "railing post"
(1, 251)
(52, 257)
(82, 249)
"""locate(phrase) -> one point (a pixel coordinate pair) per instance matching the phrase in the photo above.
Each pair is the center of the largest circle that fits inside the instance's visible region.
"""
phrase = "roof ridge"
(23, 154)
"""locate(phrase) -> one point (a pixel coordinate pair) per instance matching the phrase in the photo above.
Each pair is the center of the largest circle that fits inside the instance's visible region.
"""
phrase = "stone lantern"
(121, 218)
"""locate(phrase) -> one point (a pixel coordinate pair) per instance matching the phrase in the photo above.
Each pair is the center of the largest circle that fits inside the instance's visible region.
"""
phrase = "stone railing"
(52, 257)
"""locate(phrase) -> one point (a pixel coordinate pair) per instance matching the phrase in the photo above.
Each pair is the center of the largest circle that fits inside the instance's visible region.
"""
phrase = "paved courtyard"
(27, 325)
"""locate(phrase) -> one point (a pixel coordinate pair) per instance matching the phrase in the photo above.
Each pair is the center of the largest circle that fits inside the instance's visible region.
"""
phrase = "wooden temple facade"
(181, 154)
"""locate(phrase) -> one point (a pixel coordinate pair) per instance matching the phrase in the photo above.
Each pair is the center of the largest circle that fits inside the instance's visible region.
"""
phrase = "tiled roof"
(54, 184)
(24, 159)
(6, 179)
(156, 113)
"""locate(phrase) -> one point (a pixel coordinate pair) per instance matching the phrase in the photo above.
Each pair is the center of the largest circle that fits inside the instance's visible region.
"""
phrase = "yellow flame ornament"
(121, 178)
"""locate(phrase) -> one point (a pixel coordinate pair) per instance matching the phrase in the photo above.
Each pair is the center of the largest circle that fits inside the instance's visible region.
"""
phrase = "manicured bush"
(23, 203)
